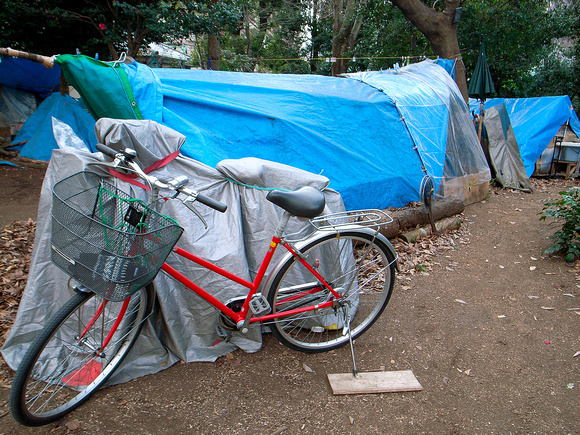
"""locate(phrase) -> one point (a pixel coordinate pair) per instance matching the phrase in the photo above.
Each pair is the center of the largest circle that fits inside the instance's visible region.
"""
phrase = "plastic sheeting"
(15, 108)
(183, 327)
(434, 112)
(503, 152)
(535, 122)
(38, 131)
(374, 138)
(347, 131)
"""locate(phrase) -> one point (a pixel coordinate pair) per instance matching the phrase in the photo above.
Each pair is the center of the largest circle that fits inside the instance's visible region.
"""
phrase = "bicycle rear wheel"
(358, 265)
(67, 363)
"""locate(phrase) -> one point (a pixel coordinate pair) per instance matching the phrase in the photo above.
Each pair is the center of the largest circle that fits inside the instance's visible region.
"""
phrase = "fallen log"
(14, 145)
(30, 163)
(414, 215)
(448, 223)
(7, 153)
(23, 161)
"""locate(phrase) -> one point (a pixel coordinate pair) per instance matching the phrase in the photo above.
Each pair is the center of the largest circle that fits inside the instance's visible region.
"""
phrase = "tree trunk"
(337, 39)
(247, 67)
(345, 28)
(441, 226)
(440, 30)
(411, 216)
(315, 46)
(214, 51)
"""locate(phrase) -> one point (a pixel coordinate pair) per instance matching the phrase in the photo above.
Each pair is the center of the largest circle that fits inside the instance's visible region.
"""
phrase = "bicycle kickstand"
(347, 327)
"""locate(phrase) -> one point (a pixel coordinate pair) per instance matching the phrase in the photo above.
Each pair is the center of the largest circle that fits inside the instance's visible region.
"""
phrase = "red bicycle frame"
(240, 316)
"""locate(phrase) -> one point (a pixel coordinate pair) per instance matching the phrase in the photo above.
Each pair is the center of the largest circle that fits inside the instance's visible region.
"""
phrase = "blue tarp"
(29, 76)
(38, 132)
(535, 122)
(374, 135)
(345, 130)
(371, 135)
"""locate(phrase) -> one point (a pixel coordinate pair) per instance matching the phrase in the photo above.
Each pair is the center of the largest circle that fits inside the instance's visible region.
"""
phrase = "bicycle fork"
(104, 343)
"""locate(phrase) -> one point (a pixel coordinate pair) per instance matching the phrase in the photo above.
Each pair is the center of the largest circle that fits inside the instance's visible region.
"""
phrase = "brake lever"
(188, 202)
(111, 165)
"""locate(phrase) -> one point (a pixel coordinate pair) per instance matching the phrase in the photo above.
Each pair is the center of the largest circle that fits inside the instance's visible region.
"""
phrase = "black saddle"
(306, 202)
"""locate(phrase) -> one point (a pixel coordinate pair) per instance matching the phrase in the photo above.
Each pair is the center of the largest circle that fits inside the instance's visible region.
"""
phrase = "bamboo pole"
(45, 60)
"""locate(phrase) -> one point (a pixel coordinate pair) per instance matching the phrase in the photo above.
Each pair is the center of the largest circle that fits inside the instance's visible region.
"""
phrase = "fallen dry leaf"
(16, 242)
(73, 425)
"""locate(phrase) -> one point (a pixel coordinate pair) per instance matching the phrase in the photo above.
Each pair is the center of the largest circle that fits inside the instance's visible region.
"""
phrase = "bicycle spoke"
(356, 266)
(67, 362)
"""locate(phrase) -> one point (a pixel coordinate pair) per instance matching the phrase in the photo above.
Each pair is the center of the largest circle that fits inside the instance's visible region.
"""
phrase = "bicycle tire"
(59, 373)
(355, 263)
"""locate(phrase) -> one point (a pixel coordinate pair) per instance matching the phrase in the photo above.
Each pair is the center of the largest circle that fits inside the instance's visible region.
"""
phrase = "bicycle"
(328, 289)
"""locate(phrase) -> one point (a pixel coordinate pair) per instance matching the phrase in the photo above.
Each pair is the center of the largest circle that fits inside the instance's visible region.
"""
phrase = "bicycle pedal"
(259, 304)
(223, 334)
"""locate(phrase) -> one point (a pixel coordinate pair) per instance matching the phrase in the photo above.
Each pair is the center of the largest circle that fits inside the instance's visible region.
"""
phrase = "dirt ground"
(485, 322)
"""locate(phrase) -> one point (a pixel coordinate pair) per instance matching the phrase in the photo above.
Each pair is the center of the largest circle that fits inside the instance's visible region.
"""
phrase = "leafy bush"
(566, 210)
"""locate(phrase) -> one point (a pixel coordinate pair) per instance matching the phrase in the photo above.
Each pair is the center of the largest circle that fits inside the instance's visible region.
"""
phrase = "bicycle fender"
(370, 231)
(320, 235)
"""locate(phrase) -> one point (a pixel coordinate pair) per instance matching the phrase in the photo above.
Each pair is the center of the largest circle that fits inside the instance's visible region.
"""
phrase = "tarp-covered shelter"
(37, 132)
(374, 135)
(22, 83)
(15, 108)
(535, 122)
(502, 151)
(370, 140)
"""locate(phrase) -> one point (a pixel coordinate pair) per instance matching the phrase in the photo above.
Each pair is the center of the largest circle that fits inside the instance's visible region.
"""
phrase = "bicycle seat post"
(282, 224)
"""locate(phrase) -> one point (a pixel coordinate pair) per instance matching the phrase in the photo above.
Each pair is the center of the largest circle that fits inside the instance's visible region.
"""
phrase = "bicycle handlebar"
(127, 158)
(106, 150)
(206, 200)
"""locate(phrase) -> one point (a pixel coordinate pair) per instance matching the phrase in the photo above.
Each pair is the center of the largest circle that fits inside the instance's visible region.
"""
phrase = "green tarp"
(104, 87)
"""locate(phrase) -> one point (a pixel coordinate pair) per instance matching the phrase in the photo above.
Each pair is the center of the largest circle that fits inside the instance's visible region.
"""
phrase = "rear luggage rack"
(371, 218)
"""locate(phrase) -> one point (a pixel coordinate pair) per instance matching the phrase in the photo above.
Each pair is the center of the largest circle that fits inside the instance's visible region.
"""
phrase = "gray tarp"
(15, 108)
(183, 327)
(502, 151)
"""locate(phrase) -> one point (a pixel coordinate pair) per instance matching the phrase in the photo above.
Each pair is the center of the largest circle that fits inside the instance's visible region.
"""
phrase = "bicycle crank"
(226, 325)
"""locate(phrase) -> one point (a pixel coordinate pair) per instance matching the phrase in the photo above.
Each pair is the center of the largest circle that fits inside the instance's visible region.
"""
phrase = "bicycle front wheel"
(70, 359)
(357, 265)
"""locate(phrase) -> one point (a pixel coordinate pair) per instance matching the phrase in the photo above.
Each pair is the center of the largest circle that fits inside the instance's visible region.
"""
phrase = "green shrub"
(565, 210)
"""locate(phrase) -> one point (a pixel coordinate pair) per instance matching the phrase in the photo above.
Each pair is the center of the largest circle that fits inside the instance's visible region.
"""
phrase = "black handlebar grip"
(106, 150)
(216, 205)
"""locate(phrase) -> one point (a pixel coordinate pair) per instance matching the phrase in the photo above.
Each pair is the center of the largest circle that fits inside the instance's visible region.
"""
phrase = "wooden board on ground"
(374, 382)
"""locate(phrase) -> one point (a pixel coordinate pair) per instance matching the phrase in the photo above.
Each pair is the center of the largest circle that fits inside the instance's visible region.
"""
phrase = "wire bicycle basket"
(105, 239)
